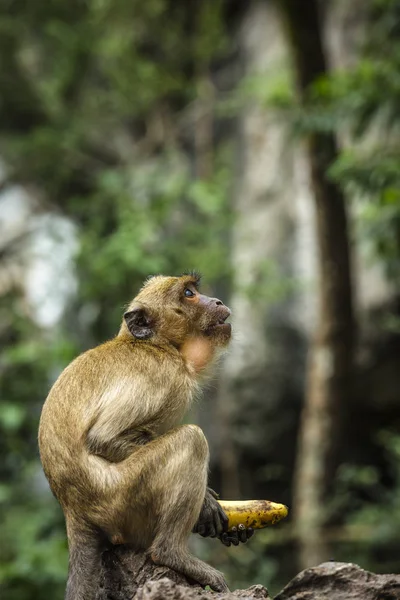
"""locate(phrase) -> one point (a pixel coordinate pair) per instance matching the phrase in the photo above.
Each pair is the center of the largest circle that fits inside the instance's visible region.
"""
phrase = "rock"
(254, 591)
(130, 575)
(341, 581)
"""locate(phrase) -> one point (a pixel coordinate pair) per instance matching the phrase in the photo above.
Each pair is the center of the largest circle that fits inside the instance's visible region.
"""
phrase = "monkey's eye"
(188, 293)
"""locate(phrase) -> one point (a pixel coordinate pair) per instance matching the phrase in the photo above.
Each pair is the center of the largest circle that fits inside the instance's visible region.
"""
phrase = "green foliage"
(373, 521)
(93, 96)
(374, 179)
(272, 285)
(363, 102)
(99, 112)
(382, 512)
(33, 550)
(157, 214)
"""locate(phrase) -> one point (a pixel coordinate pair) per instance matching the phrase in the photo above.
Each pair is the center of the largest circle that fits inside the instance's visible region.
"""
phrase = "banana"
(253, 513)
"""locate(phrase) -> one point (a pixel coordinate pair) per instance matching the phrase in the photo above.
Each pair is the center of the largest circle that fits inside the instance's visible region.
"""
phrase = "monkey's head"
(171, 309)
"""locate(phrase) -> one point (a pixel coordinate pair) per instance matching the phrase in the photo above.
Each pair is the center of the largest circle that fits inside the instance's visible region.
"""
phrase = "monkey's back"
(120, 385)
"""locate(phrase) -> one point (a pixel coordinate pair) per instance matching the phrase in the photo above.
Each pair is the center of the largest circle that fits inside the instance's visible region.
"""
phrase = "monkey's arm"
(118, 448)
(120, 419)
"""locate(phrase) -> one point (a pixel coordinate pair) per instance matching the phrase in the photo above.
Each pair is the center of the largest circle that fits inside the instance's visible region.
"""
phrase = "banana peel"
(253, 513)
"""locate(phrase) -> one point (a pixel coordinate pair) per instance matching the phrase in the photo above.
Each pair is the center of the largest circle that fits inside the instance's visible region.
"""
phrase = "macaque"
(122, 467)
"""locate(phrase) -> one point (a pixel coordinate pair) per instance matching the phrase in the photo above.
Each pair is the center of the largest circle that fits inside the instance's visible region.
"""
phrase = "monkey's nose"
(218, 302)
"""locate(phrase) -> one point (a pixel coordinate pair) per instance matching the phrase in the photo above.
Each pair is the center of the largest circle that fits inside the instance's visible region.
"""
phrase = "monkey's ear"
(139, 323)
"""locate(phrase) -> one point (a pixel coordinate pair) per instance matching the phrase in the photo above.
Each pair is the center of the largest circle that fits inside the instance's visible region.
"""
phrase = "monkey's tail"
(85, 549)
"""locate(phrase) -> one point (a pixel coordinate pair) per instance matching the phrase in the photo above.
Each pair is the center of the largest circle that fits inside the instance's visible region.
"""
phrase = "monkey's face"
(206, 316)
(172, 309)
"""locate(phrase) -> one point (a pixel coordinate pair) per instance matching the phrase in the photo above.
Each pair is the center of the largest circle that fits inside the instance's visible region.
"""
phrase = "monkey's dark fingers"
(224, 537)
(244, 534)
(205, 528)
(201, 529)
(238, 535)
(213, 493)
(211, 530)
(220, 520)
(234, 536)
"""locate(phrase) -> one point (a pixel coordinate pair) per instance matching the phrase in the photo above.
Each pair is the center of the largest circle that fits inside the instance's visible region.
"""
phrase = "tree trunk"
(129, 575)
(253, 376)
(330, 361)
(124, 571)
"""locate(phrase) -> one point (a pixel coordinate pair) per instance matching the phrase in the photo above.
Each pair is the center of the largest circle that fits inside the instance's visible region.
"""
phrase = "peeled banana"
(253, 513)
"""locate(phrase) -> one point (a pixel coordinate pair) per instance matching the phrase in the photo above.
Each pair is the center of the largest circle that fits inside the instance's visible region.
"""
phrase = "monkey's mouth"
(220, 325)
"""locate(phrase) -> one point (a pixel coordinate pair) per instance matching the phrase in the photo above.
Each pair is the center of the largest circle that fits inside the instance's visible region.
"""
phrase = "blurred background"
(255, 141)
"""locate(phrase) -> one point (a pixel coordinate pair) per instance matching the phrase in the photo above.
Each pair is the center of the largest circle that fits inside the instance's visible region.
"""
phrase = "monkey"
(111, 444)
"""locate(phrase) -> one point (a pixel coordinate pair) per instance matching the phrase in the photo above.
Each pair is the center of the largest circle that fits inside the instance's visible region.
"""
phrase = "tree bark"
(330, 361)
(124, 571)
(127, 574)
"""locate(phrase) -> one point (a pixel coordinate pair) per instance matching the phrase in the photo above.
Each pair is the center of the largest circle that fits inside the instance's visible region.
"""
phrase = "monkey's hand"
(212, 521)
(236, 535)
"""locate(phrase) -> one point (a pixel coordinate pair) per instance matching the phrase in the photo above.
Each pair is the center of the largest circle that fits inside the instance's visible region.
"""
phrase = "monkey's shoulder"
(118, 359)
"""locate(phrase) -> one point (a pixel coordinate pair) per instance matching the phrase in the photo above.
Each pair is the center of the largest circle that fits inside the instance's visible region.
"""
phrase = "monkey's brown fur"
(111, 447)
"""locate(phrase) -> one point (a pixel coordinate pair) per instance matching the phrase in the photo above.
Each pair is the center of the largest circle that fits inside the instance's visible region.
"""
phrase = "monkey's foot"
(219, 584)
(193, 568)
(215, 579)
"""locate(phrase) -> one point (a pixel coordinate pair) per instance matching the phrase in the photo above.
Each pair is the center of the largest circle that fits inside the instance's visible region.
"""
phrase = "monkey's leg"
(172, 485)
